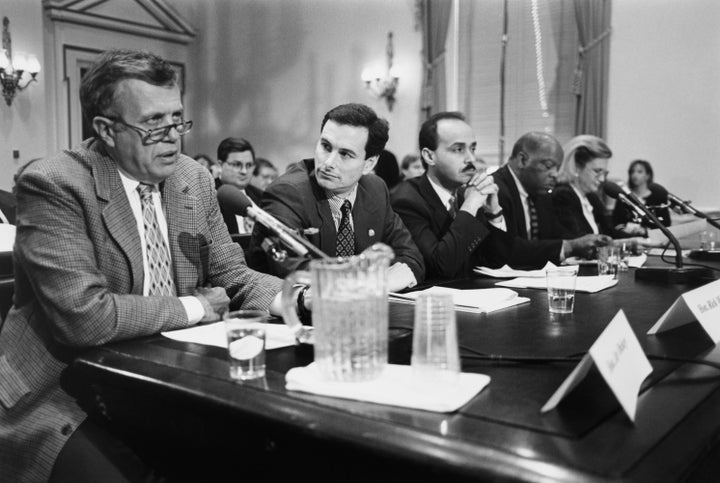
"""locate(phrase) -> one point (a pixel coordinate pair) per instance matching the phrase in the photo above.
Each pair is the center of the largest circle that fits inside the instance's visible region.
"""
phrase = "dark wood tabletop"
(179, 394)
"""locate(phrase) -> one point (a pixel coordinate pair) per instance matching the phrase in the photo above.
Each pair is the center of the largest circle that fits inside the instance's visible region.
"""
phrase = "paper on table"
(276, 335)
(682, 230)
(506, 272)
(397, 386)
(590, 284)
(471, 300)
(637, 261)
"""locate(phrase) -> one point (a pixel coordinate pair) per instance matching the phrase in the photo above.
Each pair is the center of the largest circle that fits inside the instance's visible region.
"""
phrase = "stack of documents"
(470, 300)
(397, 386)
(276, 335)
(583, 284)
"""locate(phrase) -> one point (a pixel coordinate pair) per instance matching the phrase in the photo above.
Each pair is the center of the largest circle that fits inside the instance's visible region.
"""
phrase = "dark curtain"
(435, 22)
(590, 85)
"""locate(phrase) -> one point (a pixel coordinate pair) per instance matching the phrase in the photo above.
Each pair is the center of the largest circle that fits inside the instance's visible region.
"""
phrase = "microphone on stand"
(688, 208)
(678, 274)
(233, 198)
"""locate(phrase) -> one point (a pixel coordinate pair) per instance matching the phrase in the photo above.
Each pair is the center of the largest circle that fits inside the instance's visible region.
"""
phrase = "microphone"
(688, 208)
(679, 274)
(232, 197)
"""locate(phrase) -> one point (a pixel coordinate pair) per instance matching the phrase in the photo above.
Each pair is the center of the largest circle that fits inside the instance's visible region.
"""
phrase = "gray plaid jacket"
(78, 284)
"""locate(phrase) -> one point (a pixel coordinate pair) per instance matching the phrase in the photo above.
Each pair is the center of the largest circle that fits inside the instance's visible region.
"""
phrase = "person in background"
(452, 211)
(387, 168)
(525, 182)
(237, 158)
(204, 160)
(117, 238)
(576, 198)
(412, 166)
(265, 173)
(336, 202)
(655, 197)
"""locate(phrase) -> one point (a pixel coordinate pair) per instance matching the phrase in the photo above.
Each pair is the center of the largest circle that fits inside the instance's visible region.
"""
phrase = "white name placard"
(701, 304)
(621, 362)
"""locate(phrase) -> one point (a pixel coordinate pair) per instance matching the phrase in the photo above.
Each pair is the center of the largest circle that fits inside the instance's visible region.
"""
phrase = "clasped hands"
(481, 192)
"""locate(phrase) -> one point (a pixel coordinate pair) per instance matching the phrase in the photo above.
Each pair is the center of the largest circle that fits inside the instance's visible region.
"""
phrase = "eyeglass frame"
(146, 134)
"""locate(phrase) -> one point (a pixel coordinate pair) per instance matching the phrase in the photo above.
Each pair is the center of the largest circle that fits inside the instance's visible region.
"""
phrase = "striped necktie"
(534, 229)
(453, 207)
(158, 255)
(345, 246)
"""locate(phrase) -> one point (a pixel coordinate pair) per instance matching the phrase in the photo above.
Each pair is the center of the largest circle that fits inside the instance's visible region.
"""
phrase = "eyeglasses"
(152, 136)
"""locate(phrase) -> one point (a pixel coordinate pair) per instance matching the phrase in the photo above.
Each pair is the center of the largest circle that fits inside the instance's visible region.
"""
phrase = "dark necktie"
(158, 255)
(534, 230)
(345, 245)
(453, 207)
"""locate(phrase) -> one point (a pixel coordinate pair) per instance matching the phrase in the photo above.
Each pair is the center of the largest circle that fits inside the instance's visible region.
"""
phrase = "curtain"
(590, 84)
(435, 22)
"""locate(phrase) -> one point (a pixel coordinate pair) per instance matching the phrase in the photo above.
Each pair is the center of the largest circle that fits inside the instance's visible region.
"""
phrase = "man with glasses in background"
(237, 161)
(525, 183)
(119, 237)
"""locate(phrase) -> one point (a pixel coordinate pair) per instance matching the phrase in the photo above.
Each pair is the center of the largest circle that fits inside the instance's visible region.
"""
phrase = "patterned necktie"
(345, 245)
(158, 255)
(453, 207)
(534, 230)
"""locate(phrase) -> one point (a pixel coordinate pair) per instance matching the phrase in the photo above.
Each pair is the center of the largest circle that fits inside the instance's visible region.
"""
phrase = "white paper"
(637, 261)
(397, 386)
(471, 300)
(276, 335)
(506, 272)
(591, 284)
(701, 304)
(7, 237)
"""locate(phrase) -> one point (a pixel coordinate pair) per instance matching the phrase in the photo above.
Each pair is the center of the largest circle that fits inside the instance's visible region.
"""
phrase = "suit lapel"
(438, 212)
(181, 212)
(328, 232)
(365, 218)
(518, 213)
(117, 215)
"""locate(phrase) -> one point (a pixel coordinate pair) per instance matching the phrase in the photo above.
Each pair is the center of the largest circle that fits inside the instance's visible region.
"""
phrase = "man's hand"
(214, 300)
(400, 277)
(632, 229)
(586, 245)
(481, 191)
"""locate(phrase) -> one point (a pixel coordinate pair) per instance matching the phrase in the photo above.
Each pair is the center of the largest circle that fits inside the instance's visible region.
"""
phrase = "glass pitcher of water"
(349, 313)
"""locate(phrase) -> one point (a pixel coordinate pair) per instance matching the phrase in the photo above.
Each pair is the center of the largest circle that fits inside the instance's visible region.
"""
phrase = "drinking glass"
(246, 343)
(561, 289)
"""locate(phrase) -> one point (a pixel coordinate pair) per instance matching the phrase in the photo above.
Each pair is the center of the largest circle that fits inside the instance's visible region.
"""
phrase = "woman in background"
(576, 198)
(653, 195)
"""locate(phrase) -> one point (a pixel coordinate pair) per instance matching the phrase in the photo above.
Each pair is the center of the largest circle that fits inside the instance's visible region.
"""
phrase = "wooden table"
(179, 396)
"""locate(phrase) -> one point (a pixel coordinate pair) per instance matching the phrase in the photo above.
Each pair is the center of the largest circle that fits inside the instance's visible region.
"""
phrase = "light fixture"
(383, 85)
(13, 67)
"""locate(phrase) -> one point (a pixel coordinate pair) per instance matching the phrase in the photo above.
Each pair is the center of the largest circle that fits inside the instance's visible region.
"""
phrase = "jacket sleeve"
(397, 236)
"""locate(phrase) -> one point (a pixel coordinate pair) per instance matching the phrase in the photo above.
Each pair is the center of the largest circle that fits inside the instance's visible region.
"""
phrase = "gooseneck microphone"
(679, 274)
(688, 208)
(233, 198)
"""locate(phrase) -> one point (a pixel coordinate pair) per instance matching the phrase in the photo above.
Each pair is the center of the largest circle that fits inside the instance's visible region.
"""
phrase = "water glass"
(561, 289)
(435, 343)
(608, 260)
(624, 251)
(246, 343)
(707, 240)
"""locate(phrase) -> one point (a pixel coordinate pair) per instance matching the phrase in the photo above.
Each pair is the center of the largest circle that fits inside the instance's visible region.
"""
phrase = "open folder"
(470, 300)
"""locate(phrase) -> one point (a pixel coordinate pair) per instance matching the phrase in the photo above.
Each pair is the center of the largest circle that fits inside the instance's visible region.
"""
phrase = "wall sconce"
(383, 85)
(13, 67)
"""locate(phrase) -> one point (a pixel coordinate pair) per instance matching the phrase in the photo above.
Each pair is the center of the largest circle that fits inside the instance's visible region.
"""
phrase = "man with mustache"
(525, 183)
(337, 203)
(117, 238)
(452, 211)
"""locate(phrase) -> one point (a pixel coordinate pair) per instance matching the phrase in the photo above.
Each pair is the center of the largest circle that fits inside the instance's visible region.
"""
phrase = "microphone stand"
(685, 205)
(679, 274)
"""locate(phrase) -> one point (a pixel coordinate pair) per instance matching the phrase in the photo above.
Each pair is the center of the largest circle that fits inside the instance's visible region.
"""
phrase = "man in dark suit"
(452, 211)
(525, 183)
(336, 201)
(237, 161)
(119, 237)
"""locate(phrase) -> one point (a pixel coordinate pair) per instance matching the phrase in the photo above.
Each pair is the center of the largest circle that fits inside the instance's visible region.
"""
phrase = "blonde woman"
(576, 199)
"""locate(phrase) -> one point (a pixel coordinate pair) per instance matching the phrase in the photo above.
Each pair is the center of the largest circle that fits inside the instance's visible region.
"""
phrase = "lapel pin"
(371, 232)
(310, 231)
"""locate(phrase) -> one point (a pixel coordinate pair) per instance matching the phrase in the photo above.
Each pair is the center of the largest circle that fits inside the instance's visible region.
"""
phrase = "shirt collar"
(444, 194)
(521, 189)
